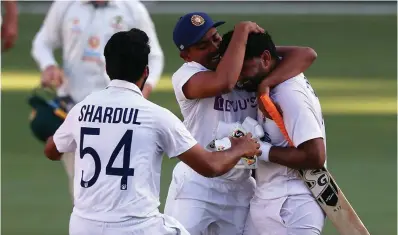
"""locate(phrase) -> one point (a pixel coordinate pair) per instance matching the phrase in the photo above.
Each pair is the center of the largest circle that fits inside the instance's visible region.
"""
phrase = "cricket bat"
(323, 187)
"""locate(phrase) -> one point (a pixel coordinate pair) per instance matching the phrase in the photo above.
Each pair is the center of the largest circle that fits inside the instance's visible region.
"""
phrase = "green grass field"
(354, 76)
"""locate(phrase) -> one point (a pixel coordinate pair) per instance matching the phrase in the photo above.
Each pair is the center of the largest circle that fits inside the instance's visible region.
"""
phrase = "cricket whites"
(323, 187)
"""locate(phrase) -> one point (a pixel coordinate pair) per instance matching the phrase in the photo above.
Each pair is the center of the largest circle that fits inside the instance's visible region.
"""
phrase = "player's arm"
(62, 141)
(46, 40)
(176, 141)
(156, 57)
(51, 151)
(304, 128)
(295, 60)
(308, 155)
(9, 27)
(213, 164)
(211, 83)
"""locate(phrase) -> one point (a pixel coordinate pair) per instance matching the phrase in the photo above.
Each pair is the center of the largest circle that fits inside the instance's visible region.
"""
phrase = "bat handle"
(276, 116)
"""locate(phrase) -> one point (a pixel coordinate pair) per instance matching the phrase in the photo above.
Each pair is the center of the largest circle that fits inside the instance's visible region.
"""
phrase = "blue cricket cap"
(191, 28)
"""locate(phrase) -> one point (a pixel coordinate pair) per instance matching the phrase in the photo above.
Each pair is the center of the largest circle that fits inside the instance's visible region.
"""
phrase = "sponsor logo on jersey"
(222, 104)
(92, 52)
(75, 26)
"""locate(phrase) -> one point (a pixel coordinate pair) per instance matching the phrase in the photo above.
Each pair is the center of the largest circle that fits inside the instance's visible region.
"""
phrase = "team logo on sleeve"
(197, 20)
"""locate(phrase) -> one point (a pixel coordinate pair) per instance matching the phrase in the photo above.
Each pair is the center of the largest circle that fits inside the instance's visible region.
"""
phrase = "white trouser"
(155, 225)
(204, 218)
(292, 215)
(68, 161)
(221, 208)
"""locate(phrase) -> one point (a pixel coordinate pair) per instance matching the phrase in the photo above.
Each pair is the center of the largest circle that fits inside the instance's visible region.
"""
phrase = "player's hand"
(249, 27)
(52, 76)
(249, 146)
(263, 88)
(9, 33)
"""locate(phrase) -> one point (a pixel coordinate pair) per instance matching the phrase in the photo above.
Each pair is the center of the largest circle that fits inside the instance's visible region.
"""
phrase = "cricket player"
(9, 27)
(119, 138)
(81, 29)
(282, 203)
(204, 88)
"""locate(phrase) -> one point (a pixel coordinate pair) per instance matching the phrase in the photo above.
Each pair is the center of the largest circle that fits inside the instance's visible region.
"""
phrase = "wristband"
(265, 149)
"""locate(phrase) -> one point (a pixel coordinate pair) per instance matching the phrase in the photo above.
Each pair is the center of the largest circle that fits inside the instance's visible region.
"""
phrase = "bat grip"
(276, 116)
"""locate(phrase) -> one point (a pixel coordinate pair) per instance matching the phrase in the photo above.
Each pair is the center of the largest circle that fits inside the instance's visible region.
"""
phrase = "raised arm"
(211, 83)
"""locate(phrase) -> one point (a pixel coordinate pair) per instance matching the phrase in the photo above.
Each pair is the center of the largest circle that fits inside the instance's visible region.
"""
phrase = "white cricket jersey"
(303, 120)
(82, 31)
(201, 116)
(119, 139)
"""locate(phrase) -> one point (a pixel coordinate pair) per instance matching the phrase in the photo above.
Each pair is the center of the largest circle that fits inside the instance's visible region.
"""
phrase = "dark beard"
(250, 84)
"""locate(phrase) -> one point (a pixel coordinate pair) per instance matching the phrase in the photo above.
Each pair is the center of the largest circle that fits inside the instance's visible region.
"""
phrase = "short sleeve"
(182, 76)
(175, 139)
(63, 137)
(299, 116)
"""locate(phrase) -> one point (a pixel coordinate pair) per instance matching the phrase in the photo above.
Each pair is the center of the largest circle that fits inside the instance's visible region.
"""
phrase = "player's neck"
(273, 64)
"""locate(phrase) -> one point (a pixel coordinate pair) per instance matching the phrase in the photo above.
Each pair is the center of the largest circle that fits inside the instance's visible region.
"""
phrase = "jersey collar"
(108, 3)
(126, 85)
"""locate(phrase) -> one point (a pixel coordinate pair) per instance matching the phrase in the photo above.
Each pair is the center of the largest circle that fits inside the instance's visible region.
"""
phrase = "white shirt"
(302, 115)
(82, 31)
(201, 116)
(113, 132)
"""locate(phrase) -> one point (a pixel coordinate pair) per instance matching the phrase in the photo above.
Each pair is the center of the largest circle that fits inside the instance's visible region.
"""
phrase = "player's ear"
(266, 59)
(146, 72)
(185, 55)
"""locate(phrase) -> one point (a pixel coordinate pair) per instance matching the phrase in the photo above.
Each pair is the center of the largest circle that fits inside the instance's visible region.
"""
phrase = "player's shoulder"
(62, 4)
(187, 69)
(132, 6)
(59, 7)
(294, 83)
(291, 91)
(164, 117)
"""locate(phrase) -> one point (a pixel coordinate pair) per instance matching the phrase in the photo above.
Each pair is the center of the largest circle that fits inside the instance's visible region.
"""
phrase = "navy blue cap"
(191, 28)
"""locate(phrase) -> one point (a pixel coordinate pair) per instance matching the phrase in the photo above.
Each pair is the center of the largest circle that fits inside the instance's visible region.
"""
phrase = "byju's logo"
(222, 104)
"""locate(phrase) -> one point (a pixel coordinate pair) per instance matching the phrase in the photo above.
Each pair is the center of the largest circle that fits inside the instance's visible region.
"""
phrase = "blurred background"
(354, 77)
